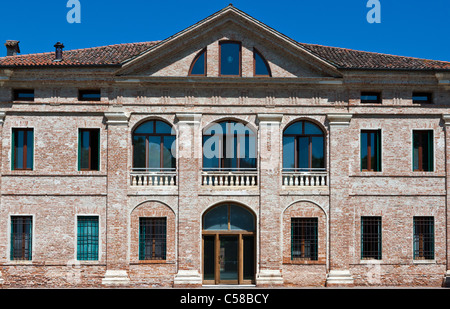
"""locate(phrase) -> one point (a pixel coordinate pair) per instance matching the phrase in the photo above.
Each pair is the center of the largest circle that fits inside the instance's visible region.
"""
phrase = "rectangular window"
(22, 149)
(304, 238)
(423, 150)
(89, 95)
(23, 94)
(152, 238)
(371, 150)
(423, 238)
(88, 149)
(87, 238)
(230, 58)
(370, 97)
(422, 97)
(21, 237)
(371, 238)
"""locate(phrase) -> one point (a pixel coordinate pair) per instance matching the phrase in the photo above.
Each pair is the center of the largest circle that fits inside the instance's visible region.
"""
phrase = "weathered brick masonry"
(146, 81)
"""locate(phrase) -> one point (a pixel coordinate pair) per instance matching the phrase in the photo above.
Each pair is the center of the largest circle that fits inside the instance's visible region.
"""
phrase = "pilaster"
(340, 209)
(189, 158)
(3, 240)
(446, 118)
(116, 205)
(270, 264)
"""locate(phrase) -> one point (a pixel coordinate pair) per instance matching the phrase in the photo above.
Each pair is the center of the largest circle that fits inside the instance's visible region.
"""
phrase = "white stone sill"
(424, 262)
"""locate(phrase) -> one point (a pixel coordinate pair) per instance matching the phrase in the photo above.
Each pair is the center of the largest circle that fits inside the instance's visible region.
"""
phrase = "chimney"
(12, 47)
(58, 51)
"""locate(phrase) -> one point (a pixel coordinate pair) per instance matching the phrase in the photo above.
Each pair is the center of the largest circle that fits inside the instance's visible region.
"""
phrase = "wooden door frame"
(240, 235)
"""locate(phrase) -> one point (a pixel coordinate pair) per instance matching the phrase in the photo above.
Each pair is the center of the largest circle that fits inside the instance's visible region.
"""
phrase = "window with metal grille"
(423, 238)
(152, 238)
(304, 238)
(21, 237)
(371, 238)
(87, 240)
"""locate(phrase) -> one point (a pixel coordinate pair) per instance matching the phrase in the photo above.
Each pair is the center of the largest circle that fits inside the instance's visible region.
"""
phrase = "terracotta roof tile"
(103, 55)
(117, 54)
(354, 59)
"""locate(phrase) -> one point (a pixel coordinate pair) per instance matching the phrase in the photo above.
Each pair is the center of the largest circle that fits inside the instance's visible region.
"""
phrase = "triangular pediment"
(173, 57)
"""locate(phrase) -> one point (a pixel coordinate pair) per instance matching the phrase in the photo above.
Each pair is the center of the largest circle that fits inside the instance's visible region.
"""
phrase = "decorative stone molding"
(187, 277)
(189, 118)
(269, 277)
(116, 277)
(274, 118)
(446, 118)
(2, 118)
(339, 119)
(339, 278)
(117, 118)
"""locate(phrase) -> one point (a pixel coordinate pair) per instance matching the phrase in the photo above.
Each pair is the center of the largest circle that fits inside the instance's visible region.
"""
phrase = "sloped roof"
(102, 55)
(341, 58)
(344, 58)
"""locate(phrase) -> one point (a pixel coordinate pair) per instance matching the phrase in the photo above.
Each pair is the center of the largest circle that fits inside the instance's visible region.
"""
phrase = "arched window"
(303, 147)
(229, 217)
(198, 66)
(230, 58)
(153, 147)
(229, 145)
(260, 65)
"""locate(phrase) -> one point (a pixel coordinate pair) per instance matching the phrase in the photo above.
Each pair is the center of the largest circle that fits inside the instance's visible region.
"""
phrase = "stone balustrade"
(153, 178)
(305, 179)
(230, 178)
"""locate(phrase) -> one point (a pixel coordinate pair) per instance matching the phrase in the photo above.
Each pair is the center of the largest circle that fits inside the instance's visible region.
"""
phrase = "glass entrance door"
(229, 245)
(228, 260)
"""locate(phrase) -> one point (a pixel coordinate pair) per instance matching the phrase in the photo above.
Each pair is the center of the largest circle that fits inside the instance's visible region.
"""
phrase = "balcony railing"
(153, 177)
(302, 178)
(230, 178)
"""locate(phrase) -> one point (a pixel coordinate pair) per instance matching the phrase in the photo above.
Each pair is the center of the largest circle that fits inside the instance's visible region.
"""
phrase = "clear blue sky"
(415, 28)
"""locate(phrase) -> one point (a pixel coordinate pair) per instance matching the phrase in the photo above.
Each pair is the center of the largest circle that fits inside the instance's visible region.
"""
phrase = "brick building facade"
(335, 172)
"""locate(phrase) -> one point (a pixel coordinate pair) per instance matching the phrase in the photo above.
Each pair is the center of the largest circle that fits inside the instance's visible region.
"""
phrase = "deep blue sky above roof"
(412, 28)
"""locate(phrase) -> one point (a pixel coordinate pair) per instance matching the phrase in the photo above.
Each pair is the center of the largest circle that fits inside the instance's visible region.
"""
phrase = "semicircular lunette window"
(198, 66)
(261, 66)
(229, 217)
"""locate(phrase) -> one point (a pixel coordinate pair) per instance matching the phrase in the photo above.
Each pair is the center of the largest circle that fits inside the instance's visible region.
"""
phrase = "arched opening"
(153, 147)
(303, 147)
(229, 146)
(229, 233)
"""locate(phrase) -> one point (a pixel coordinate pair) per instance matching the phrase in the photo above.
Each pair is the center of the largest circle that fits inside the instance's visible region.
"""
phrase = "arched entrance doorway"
(229, 245)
